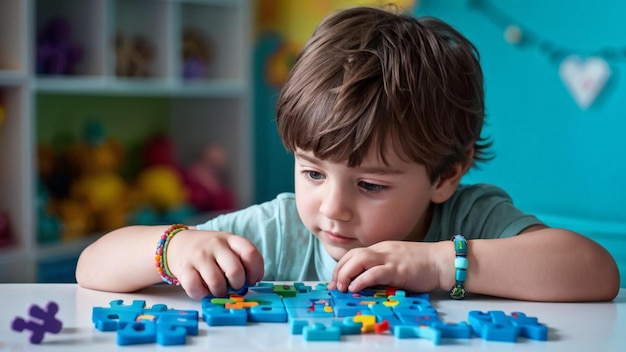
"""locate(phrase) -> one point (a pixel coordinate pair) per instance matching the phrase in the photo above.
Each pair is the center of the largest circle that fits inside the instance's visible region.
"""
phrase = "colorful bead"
(160, 257)
(460, 264)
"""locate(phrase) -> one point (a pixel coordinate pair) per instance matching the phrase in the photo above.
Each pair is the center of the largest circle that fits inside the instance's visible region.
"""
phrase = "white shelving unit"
(213, 109)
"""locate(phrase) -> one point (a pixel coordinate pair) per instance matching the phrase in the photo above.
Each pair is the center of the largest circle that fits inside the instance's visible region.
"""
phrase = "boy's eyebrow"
(386, 170)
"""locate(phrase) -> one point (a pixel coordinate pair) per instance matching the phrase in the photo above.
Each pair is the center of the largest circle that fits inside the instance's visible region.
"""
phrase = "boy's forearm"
(121, 261)
(544, 265)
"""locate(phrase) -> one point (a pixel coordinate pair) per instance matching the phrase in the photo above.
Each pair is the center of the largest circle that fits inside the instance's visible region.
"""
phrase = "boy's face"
(356, 207)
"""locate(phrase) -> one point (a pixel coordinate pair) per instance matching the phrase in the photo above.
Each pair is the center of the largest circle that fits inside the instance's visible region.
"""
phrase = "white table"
(572, 326)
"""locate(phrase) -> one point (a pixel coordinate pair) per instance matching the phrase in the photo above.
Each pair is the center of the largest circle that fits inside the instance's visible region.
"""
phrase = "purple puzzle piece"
(45, 322)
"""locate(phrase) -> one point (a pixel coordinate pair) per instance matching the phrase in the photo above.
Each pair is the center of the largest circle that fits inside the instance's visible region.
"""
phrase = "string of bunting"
(584, 74)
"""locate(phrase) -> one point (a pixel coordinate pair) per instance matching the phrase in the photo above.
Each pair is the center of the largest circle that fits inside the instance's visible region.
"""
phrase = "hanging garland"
(585, 75)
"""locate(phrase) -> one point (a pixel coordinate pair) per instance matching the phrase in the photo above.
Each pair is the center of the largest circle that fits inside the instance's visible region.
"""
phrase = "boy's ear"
(448, 182)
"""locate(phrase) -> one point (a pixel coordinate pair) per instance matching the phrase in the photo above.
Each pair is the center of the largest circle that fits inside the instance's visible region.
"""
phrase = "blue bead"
(460, 262)
(461, 275)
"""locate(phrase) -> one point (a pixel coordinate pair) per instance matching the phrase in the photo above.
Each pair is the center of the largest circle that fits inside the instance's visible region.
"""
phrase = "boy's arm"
(541, 264)
(203, 261)
(121, 261)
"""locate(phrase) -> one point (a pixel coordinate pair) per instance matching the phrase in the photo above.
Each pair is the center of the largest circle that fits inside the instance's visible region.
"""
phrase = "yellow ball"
(162, 187)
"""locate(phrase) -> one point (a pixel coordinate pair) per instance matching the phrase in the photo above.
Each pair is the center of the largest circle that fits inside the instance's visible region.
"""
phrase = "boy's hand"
(411, 266)
(208, 262)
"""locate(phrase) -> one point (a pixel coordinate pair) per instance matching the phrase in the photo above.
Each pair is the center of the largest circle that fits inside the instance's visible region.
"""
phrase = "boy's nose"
(335, 204)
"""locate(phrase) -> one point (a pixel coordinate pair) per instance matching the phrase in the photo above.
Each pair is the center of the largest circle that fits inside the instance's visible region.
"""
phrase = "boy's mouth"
(337, 239)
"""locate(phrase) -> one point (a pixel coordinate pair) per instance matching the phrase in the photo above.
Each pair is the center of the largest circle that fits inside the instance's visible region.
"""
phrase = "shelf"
(48, 93)
(142, 87)
(12, 78)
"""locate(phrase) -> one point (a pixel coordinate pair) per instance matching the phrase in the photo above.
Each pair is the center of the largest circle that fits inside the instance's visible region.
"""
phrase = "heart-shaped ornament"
(585, 79)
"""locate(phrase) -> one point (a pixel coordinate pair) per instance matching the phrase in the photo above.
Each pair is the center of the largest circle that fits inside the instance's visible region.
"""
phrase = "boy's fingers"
(376, 275)
(213, 276)
(251, 259)
(353, 268)
(193, 284)
(232, 268)
(340, 264)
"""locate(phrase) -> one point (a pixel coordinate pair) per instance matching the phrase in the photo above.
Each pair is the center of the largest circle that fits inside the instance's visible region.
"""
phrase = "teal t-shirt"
(292, 253)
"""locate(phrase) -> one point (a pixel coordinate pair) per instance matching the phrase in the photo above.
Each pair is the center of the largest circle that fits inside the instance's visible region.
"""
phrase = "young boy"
(383, 113)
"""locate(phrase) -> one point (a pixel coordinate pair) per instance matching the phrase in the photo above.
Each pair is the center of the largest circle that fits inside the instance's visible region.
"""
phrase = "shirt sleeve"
(479, 211)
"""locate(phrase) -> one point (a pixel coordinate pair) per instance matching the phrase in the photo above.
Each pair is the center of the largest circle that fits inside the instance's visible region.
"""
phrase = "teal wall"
(274, 166)
(561, 162)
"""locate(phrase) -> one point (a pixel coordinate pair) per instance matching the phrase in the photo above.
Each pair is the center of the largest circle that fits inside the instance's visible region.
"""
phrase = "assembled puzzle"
(316, 313)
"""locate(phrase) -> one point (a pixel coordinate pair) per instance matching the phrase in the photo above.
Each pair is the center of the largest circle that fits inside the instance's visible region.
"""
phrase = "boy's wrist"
(445, 264)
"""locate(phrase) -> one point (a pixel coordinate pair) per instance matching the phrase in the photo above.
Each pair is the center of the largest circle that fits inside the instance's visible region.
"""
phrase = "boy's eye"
(370, 187)
(314, 175)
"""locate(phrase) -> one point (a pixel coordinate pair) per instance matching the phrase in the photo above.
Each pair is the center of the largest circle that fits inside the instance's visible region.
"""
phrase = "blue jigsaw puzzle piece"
(262, 287)
(418, 319)
(109, 319)
(348, 326)
(136, 333)
(337, 296)
(296, 326)
(529, 326)
(492, 326)
(321, 332)
(460, 330)
(410, 302)
(219, 316)
(382, 311)
(186, 319)
(106, 320)
(269, 314)
(172, 335)
(305, 313)
(301, 287)
(303, 300)
(348, 308)
(424, 332)
(266, 299)
(135, 306)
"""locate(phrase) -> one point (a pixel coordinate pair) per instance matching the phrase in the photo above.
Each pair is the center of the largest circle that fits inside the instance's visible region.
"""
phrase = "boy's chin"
(335, 252)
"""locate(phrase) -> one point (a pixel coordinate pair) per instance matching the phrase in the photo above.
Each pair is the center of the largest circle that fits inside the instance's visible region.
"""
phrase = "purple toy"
(45, 322)
(56, 54)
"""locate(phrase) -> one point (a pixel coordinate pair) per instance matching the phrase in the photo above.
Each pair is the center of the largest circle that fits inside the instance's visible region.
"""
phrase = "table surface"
(572, 326)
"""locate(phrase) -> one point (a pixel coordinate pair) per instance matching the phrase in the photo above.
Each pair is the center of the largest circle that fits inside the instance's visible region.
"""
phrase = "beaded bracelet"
(460, 264)
(160, 256)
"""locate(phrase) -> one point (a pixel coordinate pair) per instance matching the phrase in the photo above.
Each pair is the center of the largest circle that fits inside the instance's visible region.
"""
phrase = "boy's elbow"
(613, 282)
(607, 283)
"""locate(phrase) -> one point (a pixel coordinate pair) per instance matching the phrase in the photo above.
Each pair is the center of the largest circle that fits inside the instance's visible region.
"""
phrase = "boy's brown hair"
(368, 77)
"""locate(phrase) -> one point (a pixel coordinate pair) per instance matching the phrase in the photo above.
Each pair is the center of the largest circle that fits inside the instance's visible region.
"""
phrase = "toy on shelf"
(170, 193)
(133, 56)
(207, 180)
(56, 53)
(197, 54)
(99, 188)
(82, 186)
(161, 191)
